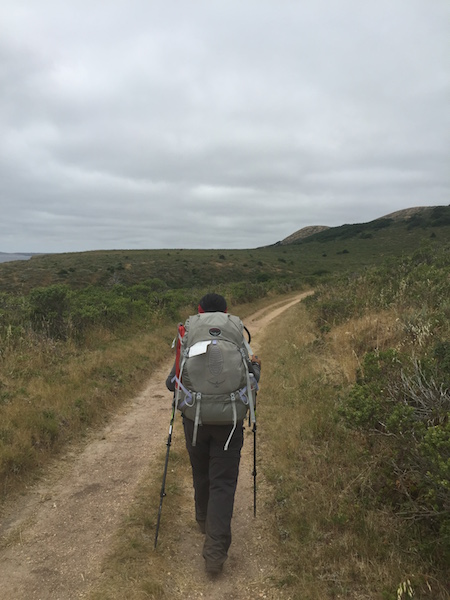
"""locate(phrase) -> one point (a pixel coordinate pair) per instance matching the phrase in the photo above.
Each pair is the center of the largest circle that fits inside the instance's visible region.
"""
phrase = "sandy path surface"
(54, 539)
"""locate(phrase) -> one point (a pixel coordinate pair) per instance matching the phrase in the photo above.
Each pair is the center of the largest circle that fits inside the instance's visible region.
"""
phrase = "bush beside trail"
(400, 399)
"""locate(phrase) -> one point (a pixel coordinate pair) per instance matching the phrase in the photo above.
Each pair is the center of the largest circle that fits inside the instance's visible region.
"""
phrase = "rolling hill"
(303, 257)
(419, 216)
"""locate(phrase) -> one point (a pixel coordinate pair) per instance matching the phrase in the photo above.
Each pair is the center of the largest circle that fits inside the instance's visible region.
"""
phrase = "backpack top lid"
(213, 326)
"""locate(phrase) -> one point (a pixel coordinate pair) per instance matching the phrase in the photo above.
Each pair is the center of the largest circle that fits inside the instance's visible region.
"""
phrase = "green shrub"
(404, 399)
(49, 307)
(401, 400)
(441, 354)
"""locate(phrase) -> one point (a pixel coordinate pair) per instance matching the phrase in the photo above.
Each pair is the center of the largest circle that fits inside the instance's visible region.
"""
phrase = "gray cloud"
(216, 124)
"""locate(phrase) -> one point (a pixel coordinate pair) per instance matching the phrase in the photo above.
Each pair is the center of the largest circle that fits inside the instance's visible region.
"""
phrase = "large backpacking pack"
(213, 383)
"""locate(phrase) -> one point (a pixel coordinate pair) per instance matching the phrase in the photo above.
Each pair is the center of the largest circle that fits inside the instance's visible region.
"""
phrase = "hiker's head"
(212, 303)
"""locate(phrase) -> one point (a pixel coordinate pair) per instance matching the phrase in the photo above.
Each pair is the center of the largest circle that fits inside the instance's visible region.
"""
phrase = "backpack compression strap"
(181, 332)
(250, 402)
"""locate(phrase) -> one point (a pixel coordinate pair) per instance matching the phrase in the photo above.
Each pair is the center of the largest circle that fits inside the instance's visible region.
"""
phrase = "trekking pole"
(163, 486)
(177, 342)
(254, 469)
(254, 435)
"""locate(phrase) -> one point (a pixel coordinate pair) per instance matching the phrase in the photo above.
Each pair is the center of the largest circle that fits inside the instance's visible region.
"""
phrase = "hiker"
(214, 449)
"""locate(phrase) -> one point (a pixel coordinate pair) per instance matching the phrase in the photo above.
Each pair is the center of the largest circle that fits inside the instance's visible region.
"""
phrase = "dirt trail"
(54, 539)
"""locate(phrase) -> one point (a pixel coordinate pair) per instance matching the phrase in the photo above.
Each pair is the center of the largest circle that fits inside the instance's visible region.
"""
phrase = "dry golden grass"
(58, 391)
(347, 343)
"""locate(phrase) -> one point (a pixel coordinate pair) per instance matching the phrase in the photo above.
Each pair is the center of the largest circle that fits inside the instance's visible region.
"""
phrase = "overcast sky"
(217, 124)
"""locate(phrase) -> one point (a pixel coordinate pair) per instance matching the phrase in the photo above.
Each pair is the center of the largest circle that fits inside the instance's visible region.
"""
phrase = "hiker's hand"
(254, 359)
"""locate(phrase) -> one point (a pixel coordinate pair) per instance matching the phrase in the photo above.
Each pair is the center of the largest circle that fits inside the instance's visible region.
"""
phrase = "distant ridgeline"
(409, 219)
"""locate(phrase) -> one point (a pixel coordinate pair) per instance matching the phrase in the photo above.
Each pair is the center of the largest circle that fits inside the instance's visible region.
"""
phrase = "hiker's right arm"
(255, 366)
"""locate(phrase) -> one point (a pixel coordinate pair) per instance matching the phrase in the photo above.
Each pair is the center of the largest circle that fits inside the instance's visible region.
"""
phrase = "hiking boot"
(213, 568)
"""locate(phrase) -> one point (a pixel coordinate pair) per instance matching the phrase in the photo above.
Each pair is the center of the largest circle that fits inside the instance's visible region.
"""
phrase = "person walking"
(214, 452)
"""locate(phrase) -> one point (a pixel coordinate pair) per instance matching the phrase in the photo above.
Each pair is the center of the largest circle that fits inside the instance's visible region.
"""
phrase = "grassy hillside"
(335, 250)
(359, 245)
(431, 218)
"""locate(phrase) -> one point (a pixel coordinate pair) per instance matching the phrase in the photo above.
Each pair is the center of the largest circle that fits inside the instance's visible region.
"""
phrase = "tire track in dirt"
(54, 539)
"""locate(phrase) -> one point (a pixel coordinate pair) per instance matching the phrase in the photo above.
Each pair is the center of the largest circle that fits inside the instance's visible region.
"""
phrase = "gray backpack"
(214, 385)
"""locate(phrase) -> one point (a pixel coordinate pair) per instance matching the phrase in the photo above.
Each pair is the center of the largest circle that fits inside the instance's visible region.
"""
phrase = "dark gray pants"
(215, 474)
